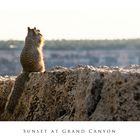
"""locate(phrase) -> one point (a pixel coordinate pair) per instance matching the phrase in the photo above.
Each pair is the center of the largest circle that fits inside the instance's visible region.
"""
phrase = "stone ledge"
(83, 93)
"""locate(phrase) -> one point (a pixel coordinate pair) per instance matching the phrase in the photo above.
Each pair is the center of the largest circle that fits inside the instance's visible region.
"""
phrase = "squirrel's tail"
(16, 92)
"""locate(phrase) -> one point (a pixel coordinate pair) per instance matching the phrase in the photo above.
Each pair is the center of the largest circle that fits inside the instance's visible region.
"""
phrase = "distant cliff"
(83, 93)
(112, 56)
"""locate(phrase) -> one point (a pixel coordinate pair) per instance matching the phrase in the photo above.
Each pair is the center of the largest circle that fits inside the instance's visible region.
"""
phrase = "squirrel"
(31, 59)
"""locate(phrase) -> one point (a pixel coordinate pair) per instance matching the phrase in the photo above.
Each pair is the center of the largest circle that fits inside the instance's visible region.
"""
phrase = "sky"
(70, 19)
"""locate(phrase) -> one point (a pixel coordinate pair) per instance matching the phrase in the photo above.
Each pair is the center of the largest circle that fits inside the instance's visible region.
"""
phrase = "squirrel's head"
(35, 35)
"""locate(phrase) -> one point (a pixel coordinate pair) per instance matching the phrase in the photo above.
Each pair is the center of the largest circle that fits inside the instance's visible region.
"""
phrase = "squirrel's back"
(31, 57)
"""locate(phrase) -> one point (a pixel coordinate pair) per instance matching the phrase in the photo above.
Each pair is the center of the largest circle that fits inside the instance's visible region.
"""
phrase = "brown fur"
(31, 57)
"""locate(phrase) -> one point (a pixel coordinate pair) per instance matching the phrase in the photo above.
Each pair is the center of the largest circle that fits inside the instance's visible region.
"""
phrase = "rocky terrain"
(82, 93)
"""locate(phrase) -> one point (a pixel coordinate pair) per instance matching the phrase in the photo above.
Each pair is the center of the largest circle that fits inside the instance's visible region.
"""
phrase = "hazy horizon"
(71, 19)
(62, 39)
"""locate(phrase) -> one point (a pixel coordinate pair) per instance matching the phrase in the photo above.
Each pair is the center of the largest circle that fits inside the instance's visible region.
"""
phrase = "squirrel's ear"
(34, 28)
(34, 32)
(28, 29)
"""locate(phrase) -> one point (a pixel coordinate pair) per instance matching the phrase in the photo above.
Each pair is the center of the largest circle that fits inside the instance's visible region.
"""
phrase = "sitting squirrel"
(31, 59)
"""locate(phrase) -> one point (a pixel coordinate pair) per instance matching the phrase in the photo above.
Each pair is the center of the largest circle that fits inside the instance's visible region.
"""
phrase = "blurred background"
(90, 32)
(69, 53)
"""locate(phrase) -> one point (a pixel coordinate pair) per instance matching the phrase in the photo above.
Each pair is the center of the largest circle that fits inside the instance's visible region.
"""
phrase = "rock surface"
(83, 93)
